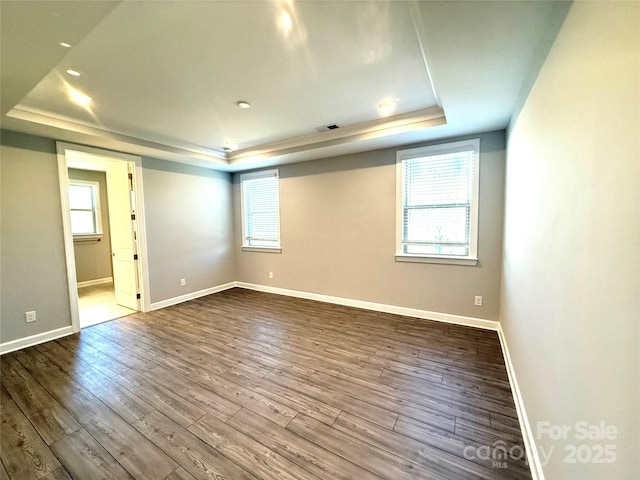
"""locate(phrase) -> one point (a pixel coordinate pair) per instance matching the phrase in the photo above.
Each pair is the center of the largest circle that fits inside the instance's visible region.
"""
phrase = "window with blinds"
(261, 209)
(438, 200)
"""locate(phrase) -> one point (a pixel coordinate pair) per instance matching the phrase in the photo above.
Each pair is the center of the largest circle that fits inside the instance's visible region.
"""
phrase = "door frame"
(139, 222)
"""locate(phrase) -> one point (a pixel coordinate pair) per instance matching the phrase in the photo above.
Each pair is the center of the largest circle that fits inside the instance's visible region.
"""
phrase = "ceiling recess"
(295, 80)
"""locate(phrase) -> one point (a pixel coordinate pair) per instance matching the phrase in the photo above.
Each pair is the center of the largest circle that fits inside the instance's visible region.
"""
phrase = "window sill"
(262, 249)
(433, 259)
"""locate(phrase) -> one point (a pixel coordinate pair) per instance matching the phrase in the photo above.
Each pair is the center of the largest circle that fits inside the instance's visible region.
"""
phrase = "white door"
(122, 239)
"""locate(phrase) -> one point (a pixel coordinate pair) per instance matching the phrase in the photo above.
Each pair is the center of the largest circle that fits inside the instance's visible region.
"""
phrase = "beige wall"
(32, 262)
(338, 236)
(571, 288)
(189, 228)
(93, 258)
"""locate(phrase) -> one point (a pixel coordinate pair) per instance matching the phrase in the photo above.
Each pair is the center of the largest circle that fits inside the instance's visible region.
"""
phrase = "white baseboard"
(97, 281)
(378, 307)
(527, 433)
(528, 436)
(190, 296)
(35, 339)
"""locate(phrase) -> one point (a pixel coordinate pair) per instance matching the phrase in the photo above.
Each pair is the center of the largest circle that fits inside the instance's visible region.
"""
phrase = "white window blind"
(84, 207)
(438, 204)
(261, 209)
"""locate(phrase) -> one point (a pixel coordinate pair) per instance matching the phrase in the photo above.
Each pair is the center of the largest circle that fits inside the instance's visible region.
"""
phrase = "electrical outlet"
(183, 282)
(30, 316)
(478, 301)
(270, 274)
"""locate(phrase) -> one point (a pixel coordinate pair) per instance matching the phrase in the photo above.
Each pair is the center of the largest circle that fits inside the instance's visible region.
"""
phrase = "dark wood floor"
(248, 385)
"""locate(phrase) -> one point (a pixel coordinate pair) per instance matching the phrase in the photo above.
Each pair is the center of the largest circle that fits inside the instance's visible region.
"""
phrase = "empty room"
(385, 240)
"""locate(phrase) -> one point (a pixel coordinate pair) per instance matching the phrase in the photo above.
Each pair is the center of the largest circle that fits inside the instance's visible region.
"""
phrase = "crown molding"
(50, 119)
(359, 136)
(398, 124)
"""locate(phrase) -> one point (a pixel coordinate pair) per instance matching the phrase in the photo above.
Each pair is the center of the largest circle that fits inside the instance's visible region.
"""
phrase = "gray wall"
(189, 228)
(571, 288)
(93, 258)
(338, 236)
(33, 270)
(188, 221)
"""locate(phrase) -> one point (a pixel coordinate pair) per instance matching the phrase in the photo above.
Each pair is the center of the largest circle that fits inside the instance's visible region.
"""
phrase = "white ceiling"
(164, 77)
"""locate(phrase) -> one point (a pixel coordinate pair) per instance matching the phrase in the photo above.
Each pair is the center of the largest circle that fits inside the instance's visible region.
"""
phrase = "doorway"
(104, 233)
(97, 304)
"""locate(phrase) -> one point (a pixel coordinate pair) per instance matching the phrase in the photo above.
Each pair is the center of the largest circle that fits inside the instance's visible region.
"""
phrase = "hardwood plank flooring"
(84, 457)
(23, 450)
(250, 385)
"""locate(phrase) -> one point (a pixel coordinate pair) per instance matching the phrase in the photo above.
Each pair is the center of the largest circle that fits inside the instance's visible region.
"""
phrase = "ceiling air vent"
(326, 128)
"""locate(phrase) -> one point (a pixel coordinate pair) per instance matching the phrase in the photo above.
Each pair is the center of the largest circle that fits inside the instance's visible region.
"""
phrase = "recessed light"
(387, 108)
(65, 45)
(243, 104)
(72, 72)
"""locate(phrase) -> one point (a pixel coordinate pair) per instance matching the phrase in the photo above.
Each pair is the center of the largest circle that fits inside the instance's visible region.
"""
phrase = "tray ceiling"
(164, 78)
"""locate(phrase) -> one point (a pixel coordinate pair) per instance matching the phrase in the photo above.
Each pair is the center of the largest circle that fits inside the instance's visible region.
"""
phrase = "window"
(437, 203)
(84, 203)
(261, 210)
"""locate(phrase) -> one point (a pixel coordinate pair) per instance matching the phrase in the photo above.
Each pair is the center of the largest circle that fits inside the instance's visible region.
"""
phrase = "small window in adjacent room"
(84, 203)
(437, 203)
(261, 210)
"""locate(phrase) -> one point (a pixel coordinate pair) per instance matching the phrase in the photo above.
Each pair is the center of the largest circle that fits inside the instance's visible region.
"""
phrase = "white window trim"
(99, 232)
(472, 258)
(250, 176)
